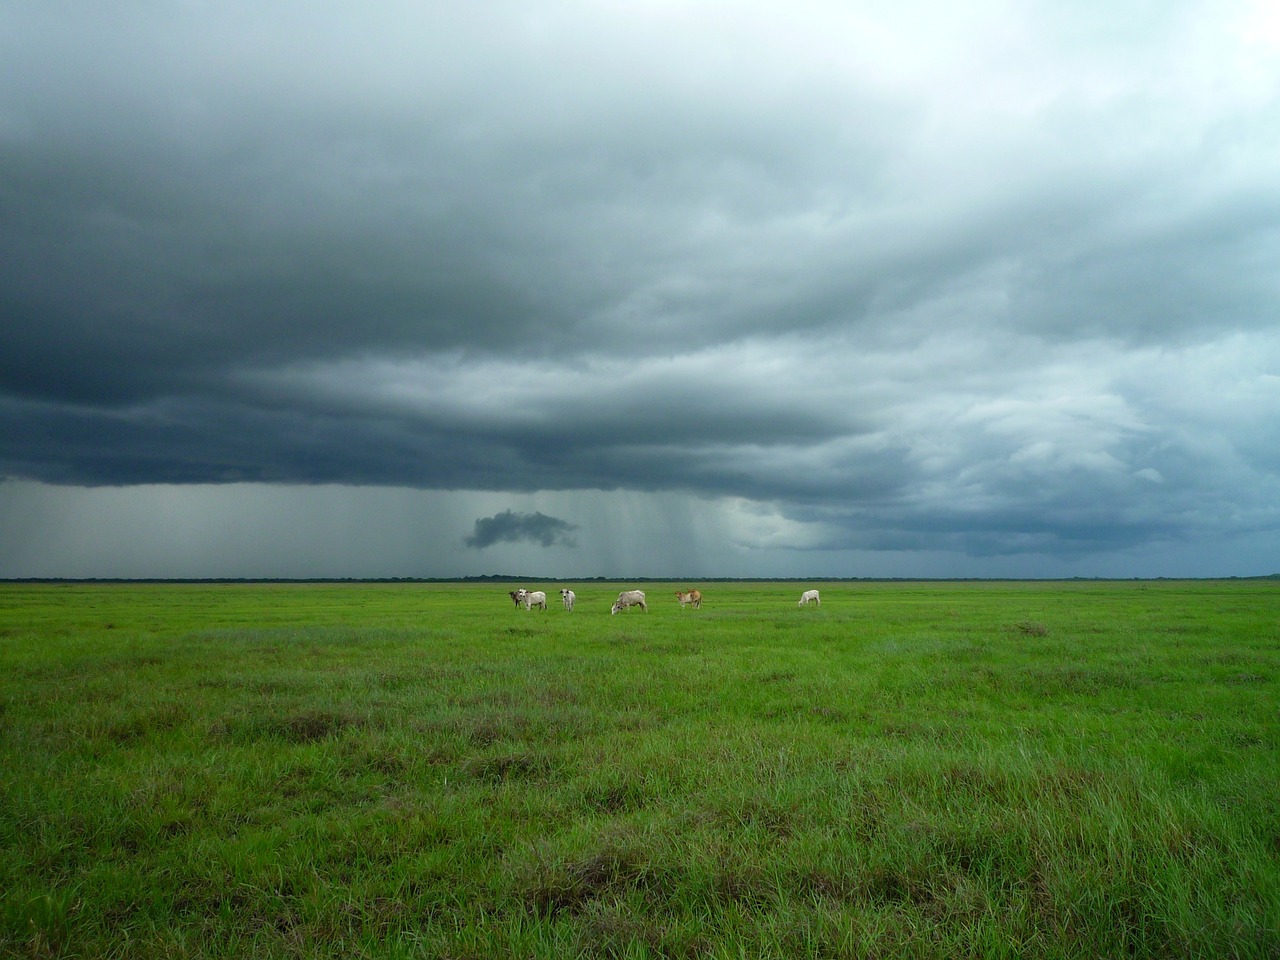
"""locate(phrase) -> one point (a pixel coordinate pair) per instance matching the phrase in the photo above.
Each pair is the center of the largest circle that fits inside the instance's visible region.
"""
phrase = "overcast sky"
(907, 288)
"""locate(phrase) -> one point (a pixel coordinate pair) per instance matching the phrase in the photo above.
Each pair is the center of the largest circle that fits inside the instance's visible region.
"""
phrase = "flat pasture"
(938, 769)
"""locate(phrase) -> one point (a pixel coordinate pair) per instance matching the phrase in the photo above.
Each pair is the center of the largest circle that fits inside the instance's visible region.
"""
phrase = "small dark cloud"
(509, 527)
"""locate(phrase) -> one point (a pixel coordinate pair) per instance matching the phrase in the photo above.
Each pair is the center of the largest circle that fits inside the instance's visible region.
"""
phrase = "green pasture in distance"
(936, 769)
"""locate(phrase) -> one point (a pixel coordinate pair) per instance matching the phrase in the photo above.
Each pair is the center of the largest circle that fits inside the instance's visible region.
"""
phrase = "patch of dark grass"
(308, 726)
(784, 711)
(147, 723)
(47, 922)
(908, 731)
(832, 715)
(1079, 680)
(820, 883)
(777, 676)
(302, 727)
(620, 796)
(977, 781)
(663, 648)
(1229, 658)
(769, 817)
(974, 851)
(1245, 739)
(1068, 784)
(265, 688)
(393, 682)
(387, 761)
(1245, 679)
(893, 885)
(568, 887)
(521, 726)
(743, 885)
(510, 767)
(502, 697)
(484, 731)
(615, 931)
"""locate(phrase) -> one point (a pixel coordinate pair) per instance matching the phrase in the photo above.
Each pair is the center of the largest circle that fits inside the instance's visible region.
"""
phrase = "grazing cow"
(810, 595)
(630, 598)
(535, 599)
(517, 596)
(692, 596)
(568, 596)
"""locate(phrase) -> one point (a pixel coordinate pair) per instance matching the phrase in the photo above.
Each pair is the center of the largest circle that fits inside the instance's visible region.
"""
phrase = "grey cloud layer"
(991, 282)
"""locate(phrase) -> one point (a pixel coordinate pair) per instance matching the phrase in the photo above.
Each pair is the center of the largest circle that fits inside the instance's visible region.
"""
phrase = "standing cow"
(568, 596)
(693, 597)
(517, 596)
(630, 598)
(810, 596)
(535, 599)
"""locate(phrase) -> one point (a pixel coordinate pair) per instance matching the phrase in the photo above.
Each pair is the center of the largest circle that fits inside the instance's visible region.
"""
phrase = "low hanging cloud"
(509, 527)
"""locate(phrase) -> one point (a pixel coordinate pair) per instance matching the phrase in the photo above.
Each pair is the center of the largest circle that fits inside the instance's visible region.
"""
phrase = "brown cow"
(691, 596)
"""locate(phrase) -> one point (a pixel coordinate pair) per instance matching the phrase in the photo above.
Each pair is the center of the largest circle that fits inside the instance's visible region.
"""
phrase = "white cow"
(535, 599)
(568, 596)
(630, 598)
(808, 596)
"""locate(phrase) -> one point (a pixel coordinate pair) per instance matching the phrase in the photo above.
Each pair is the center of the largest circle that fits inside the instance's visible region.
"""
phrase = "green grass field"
(419, 770)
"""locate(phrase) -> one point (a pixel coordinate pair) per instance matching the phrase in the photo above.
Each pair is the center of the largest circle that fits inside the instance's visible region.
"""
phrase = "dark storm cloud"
(509, 527)
(993, 282)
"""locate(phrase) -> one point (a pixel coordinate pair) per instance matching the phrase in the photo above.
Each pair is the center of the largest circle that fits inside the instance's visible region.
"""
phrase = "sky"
(639, 289)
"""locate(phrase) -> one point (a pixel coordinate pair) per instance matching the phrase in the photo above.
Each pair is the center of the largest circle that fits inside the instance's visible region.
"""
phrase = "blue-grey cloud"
(510, 527)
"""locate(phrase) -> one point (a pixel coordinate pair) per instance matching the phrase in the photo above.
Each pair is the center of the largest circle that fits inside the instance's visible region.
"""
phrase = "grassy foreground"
(408, 770)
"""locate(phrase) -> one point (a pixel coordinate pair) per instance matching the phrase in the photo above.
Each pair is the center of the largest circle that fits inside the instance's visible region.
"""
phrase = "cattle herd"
(626, 599)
